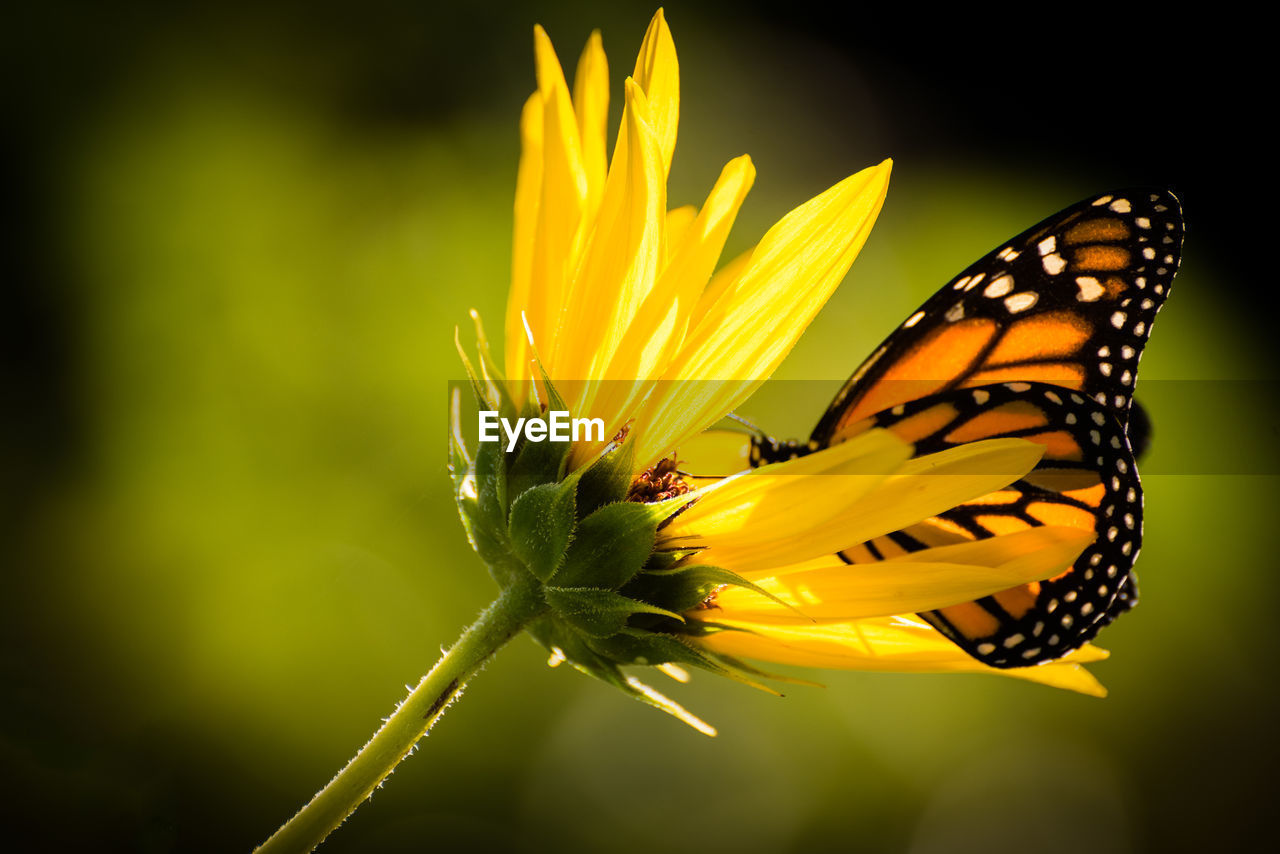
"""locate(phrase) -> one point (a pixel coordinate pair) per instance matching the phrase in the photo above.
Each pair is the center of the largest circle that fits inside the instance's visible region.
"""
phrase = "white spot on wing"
(1021, 302)
(998, 287)
(1090, 289)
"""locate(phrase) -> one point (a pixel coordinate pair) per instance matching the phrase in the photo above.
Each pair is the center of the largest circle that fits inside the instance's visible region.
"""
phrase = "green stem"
(501, 621)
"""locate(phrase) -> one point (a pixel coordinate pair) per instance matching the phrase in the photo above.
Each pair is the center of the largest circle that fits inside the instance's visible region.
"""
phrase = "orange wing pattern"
(1087, 479)
(1068, 302)
(1040, 339)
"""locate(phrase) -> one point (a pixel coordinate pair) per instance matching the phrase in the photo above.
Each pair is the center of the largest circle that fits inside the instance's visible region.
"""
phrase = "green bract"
(610, 595)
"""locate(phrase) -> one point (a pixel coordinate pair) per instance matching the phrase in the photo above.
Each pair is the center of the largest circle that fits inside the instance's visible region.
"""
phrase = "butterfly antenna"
(748, 424)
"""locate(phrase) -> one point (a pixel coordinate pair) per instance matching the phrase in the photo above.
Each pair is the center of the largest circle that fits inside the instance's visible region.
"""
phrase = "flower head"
(617, 312)
(618, 296)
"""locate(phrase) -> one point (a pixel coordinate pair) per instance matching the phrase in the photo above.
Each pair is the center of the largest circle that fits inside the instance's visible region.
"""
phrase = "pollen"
(658, 483)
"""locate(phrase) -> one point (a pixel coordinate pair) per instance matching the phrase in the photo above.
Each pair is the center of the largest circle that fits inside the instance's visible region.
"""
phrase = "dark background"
(239, 240)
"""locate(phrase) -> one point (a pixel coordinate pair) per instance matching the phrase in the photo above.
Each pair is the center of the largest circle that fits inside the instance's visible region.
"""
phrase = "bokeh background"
(241, 238)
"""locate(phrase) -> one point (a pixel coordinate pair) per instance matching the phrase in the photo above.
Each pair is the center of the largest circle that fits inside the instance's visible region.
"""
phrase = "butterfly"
(1040, 339)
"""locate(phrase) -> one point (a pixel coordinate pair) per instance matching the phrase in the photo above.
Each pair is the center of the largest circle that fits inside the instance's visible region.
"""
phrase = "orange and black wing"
(1087, 479)
(1069, 302)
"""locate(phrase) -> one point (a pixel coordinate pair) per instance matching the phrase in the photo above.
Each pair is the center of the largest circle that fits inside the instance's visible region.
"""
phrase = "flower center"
(657, 483)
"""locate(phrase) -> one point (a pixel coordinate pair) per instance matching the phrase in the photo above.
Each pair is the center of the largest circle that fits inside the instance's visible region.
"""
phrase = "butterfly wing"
(1068, 302)
(1040, 339)
(1086, 479)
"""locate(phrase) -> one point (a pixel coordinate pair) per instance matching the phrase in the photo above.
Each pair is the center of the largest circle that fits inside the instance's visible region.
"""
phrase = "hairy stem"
(501, 621)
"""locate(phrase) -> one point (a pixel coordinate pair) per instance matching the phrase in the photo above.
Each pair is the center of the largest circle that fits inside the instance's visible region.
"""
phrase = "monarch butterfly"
(1040, 339)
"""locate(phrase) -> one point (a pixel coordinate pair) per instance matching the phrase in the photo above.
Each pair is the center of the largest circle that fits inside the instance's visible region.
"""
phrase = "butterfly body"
(1040, 339)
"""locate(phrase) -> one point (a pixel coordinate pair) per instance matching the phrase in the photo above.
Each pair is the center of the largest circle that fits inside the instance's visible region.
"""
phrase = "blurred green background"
(242, 237)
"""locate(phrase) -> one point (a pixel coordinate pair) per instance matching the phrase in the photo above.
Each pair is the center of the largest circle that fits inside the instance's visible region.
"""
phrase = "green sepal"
(684, 587)
(668, 559)
(653, 648)
(459, 456)
(554, 400)
(739, 664)
(582, 658)
(560, 639)
(491, 374)
(542, 520)
(534, 404)
(598, 613)
(610, 546)
(492, 548)
(607, 480)
(491, 486)
(488, 541)
(486, 393)
(537, 463)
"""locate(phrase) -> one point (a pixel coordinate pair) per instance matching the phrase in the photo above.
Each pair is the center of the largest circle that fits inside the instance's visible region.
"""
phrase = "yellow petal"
(994, 551)
(658, 74)
(747, 332)
(883, 644)
(621, 261)
(658, 325)
(757, 508)
(931, 578)
(1059, 674)
(929, 485)
(720, 283)
(1086, 654)
(591, 104)
(562, 200)
(825, 514)
(691, 267)
(678, 222)
(528, 193)
(715, 454)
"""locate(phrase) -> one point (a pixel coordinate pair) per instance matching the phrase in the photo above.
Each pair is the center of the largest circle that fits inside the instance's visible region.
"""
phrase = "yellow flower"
(618, 295)
(617, 311)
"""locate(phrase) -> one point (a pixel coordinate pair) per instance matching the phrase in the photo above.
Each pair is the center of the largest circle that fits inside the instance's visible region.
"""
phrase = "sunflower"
(621, 310)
